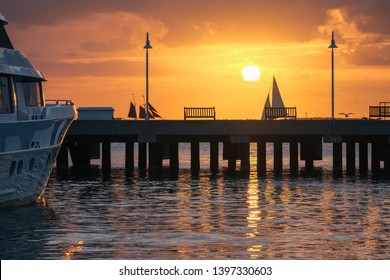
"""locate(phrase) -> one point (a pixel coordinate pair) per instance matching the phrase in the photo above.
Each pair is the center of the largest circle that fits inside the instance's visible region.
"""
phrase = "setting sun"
(251, 73)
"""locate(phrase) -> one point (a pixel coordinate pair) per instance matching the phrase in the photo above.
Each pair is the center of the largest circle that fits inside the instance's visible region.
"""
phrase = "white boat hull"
(31, 128)
(25, 172)
(26, 175)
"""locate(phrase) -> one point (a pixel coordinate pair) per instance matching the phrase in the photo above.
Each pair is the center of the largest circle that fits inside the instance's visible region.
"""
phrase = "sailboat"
(153, 113)
(142, 113)
(277, 109)
(266, 105)
(132, 112)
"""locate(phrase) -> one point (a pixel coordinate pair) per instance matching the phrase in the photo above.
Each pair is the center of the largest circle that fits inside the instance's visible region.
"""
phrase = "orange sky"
(91, 52)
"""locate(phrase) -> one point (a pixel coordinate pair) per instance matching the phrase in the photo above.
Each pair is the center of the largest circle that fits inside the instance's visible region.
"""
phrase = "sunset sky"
(91, 51)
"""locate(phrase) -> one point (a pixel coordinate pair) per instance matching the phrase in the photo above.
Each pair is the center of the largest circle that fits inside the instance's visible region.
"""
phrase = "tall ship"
(31, 128)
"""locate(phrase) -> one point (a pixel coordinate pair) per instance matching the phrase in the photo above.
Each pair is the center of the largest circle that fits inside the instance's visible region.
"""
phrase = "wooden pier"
(158, 140)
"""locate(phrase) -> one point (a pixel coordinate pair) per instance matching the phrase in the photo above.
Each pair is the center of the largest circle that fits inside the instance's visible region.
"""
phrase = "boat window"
(32, 94)
(5, 96)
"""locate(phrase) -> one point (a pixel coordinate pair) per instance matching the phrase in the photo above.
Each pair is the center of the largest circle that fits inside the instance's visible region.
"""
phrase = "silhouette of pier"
(158, 140)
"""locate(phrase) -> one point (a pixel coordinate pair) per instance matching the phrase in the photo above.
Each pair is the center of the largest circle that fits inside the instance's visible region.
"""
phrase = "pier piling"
(261, 157)
(231, 150)
(387, 157)
(278, 156)
(80, 153)
(63, 158)
(129, 157)
(195, 159)
(155, 158)
(351, 161)
(311, 149)
(363, 157)
(142, 157)
(375, 157)
(214, 153)
(174, 158)
(106, 157)
(337, 158)
(294, 162)
(245, 157)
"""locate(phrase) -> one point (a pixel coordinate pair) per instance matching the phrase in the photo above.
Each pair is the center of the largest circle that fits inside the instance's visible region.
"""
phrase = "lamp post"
(147, 47)
(332, 46)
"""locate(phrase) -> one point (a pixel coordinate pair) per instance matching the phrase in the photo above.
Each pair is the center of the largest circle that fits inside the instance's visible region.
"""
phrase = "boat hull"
(25, 171)
(26, 175)
(31, 128)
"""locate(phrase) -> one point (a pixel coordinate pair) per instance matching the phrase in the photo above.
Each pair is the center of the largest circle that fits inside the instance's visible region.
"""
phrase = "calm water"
(304, 216)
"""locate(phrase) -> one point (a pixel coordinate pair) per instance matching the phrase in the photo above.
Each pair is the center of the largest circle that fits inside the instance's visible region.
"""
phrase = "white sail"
(266, 105)
(277, 104)
(276, 97)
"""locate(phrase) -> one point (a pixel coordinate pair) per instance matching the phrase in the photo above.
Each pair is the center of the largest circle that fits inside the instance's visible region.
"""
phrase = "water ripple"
(201, 218)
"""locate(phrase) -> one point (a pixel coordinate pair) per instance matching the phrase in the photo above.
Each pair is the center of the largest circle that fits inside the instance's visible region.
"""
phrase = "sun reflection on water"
(254, 213)
(72, 249)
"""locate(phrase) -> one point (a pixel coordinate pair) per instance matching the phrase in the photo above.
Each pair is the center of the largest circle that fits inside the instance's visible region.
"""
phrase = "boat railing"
(59, 102)
(272, 113)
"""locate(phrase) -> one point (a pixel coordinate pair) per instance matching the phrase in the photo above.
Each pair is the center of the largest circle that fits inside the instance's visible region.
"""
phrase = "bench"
(381, 111)
(199, 113)
(272, 113)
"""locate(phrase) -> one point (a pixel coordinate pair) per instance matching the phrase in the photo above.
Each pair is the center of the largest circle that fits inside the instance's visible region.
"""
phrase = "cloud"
(98, 27)
(94, 69)
(372, 55)
(193, 22)
(204, 21)
(93, 36)
(357, 46)
(371, 16)
(123, 32)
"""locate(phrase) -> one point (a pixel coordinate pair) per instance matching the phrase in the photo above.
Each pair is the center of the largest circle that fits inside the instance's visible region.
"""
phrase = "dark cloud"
(370, 16)
(282, 19)
(110, 68)
(371, 56)
(120, 42)
(228, 20)
(211, 21)
(93, 69)
(25, 13)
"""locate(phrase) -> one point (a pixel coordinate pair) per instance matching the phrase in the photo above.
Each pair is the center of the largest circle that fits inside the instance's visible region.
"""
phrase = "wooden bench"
(382, 111)
(280, 112)
(199, 113)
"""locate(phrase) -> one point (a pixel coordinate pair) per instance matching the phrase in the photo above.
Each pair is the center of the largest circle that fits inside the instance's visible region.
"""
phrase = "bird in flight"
(346, 114)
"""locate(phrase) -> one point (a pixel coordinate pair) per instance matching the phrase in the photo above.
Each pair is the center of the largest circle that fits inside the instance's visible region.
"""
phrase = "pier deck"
(162, 138)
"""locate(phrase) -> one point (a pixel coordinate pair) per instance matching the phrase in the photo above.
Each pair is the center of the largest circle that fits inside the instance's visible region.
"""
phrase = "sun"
(251, 73)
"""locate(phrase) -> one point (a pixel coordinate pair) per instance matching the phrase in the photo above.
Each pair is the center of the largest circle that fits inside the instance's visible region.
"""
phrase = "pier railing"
(272, 113)
(199, 113)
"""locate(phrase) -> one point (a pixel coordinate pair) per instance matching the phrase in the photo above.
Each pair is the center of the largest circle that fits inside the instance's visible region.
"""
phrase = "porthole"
(12, 168)
(31, 167)
(20, 167)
